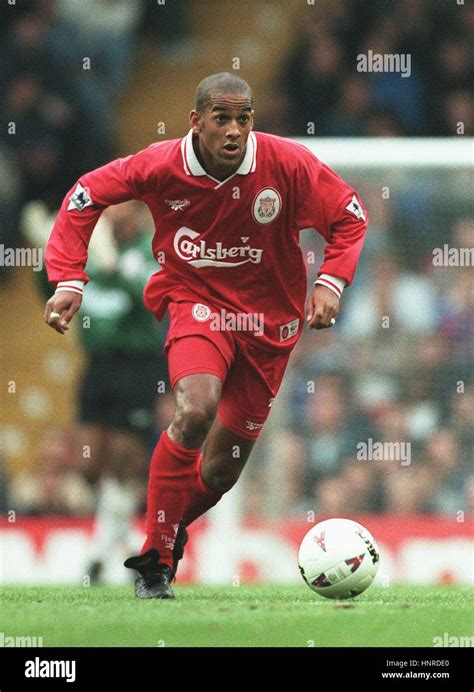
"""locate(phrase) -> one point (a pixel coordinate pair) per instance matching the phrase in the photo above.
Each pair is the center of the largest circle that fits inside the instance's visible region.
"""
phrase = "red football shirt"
(231, 243)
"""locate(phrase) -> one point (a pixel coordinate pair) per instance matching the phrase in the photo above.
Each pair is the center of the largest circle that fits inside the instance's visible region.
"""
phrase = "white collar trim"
(193, 167)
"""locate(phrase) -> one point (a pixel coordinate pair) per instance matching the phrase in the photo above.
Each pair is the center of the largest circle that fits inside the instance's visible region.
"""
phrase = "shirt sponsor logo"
(266, 205)
(355, 208)
(288, 330)
(201, 312)
(80, 199)
(198, 254)
(178, 204)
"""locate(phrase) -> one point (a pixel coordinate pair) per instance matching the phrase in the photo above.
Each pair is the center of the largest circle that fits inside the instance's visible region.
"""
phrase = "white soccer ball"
(338, 558)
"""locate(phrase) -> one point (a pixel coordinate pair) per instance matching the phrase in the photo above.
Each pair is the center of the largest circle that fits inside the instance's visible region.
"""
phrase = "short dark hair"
(222, 82)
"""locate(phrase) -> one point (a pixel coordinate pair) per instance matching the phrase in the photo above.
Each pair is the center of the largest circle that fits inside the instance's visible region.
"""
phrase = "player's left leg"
(224, 457)
(248, 393)
(218, 469)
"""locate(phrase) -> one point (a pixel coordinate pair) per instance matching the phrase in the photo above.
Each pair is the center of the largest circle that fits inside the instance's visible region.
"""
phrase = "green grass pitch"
(248, 616)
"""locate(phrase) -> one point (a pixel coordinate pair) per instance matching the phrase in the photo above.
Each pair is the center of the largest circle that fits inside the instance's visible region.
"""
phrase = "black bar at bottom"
(91, 668)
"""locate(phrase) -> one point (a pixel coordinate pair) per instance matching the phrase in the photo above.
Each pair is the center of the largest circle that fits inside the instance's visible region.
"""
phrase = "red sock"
(201, 497)
(171, 480)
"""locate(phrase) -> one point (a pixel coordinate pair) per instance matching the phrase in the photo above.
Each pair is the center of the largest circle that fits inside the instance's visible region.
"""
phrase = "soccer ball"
(338, 558)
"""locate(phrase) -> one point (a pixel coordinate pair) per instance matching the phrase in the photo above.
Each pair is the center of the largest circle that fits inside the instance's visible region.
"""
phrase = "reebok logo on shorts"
(250, 425)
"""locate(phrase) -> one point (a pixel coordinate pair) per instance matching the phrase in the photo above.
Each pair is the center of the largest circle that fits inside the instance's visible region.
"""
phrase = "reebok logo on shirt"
(178, 204)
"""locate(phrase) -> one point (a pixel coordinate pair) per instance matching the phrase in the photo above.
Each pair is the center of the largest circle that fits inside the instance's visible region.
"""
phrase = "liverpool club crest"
(266, 205)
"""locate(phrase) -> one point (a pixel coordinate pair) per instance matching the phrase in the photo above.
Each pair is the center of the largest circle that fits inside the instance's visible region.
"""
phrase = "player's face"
(223, 130)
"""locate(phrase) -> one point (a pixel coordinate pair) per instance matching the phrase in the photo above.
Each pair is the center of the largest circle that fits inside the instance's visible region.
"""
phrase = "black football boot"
(154, 578)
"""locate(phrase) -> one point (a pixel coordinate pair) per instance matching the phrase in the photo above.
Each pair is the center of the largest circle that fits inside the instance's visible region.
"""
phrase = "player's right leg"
(174, 461)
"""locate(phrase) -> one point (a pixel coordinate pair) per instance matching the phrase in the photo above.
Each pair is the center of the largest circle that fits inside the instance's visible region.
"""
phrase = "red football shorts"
(251, 376)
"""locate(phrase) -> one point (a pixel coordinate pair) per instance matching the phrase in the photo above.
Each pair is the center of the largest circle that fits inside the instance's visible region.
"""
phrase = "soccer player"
(228, 205)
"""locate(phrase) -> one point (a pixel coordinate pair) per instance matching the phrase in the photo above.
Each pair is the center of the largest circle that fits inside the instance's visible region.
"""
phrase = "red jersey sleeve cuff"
(75, 286)
(332, 282)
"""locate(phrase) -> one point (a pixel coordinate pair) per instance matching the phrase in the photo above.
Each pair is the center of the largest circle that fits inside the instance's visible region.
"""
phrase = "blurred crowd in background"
(319, 86)
(58, 121)
(409, 380)
(398, 367)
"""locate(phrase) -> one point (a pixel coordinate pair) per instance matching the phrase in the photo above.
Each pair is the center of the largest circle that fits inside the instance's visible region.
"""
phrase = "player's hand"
(322, 306)
(61, 308)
